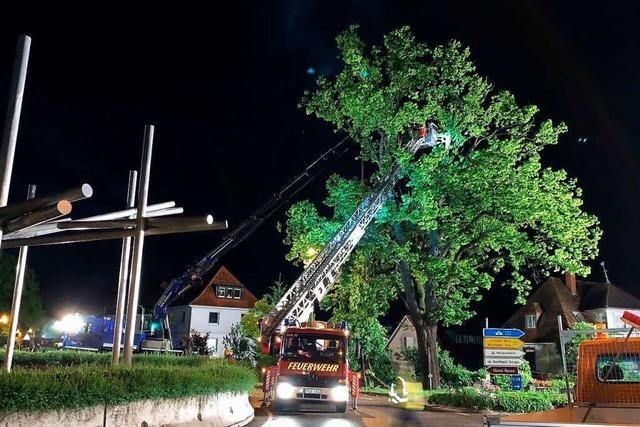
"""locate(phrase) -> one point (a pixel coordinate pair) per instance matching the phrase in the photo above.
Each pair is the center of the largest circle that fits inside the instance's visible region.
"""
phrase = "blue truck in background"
(97, 335)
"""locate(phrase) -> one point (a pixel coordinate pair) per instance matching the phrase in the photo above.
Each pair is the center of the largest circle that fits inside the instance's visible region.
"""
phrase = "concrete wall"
(228, 316)
(222, 410)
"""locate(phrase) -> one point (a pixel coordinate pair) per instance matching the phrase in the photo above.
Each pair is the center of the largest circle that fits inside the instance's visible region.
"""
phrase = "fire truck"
(312, 362)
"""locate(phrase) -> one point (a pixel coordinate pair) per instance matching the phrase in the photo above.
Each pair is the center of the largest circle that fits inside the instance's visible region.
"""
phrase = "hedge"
(59, 358)
(90, 384)
(507, 401)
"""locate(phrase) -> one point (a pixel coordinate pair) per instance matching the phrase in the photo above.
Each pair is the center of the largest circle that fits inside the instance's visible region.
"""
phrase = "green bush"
(523, 401)
(507, 401)
(467, 397)
(60, 358)
(87, 385)
(452, 374)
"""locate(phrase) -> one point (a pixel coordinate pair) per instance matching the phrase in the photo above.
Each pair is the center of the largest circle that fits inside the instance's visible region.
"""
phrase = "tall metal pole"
(123, 277)
(21, 266)
(12, 121)
(138, 244)
(563, 354)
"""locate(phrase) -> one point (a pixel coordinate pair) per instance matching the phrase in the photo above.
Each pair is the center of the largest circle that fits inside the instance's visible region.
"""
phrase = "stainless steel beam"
(63, 207)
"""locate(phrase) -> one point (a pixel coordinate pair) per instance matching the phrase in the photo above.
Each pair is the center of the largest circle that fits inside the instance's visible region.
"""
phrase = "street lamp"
(4, 319)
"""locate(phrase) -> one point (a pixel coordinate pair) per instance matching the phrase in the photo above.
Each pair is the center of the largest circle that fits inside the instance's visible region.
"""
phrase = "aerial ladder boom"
(193, 275)
(297, 304)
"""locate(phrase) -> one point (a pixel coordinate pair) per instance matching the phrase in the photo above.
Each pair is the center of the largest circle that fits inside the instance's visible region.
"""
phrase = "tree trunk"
(428, 352)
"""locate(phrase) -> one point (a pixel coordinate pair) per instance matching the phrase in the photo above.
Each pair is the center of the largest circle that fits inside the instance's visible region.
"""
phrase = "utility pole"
(606, 273)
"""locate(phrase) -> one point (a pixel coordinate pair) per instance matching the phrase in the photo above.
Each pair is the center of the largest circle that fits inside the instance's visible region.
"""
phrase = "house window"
(530, 321)
(237, 293)
(212, 343)
(229, 292)
(222, 291)
(408, 342)
(214, 317)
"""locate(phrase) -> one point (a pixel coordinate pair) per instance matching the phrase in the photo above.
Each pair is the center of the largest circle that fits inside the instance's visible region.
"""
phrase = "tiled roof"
(555, 298)
(209, 297)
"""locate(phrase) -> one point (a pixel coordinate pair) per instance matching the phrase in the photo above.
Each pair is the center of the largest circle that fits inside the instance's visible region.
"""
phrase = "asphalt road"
(373, 412)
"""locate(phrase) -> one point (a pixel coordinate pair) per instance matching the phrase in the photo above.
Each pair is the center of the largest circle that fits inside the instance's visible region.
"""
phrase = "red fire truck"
(313, 364)
(313, 368)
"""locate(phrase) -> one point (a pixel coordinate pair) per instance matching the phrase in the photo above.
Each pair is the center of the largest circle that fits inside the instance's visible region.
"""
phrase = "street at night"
(320, 213)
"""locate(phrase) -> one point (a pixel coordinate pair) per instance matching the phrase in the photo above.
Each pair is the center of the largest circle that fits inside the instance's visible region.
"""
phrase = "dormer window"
(222, 291)
(530, 321)
(229, 292)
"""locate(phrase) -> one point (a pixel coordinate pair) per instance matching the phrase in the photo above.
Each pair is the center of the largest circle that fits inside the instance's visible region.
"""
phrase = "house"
(574, 301)
(464, 347)
(213, 309)
(403, 337)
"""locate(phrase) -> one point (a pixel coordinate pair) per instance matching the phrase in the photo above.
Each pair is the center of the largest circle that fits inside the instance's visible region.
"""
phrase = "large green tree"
(31, 309)
(482, 211)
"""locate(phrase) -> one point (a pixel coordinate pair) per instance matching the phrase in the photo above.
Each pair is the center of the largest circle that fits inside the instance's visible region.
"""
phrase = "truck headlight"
(285, 391)
(340, 393)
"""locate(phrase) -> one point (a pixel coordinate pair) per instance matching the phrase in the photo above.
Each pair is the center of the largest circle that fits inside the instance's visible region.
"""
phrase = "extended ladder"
(319, 276)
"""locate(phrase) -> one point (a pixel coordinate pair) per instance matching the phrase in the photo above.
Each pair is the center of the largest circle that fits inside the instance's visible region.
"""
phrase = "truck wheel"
(341, 408)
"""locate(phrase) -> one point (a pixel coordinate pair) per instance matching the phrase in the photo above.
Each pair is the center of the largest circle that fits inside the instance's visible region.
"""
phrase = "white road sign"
(498, 352)
(502, 361)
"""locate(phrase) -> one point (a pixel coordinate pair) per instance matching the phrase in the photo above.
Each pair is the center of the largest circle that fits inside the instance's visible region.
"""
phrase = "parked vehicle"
(607, 387)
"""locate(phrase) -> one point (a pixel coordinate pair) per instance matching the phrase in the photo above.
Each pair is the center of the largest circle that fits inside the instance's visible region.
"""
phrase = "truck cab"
(312, 367)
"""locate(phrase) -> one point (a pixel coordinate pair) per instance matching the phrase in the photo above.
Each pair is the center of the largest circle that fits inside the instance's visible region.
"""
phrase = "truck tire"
(341, 408)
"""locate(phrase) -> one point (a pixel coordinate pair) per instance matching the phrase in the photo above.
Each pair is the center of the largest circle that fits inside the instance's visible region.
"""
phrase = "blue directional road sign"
(516, 382)
(502, 333)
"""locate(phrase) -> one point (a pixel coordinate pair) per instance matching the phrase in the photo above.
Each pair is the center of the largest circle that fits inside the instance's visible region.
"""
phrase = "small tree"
(242, 347)
(572, 346)
(196, 343)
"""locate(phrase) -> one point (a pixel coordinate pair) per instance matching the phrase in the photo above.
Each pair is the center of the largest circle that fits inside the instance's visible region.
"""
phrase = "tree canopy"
(31, 308)
(462, 218)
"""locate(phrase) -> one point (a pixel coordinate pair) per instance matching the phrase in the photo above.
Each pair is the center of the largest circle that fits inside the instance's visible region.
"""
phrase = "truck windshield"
(622, 369)
(314, 347)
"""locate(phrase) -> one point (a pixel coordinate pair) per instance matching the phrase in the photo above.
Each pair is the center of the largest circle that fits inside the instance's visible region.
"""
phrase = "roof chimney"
(570, 280)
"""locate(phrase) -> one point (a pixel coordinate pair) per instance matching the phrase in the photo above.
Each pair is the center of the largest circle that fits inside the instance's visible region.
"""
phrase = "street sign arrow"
(502, 333)
(502, 361)
(498, 352)
(503, 370)
(504, 343)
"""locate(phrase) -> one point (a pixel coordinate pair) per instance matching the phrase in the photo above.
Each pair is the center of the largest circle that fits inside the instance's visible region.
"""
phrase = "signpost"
(498, 352)
(503, 353)
(516, 382)
(502, 370)
(503, 361)
(505, 343)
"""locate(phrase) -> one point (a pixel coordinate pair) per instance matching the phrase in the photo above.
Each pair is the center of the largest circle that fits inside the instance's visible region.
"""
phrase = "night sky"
(222, 87)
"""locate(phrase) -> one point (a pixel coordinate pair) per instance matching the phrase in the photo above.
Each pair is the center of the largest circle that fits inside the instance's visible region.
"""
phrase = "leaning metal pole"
(123, 277)
(12, 122)
(564, 359)
(138, 243)
(21, 266)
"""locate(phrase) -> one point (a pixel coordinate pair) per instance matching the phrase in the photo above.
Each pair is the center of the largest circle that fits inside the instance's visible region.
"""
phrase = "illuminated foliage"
(485, 211)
